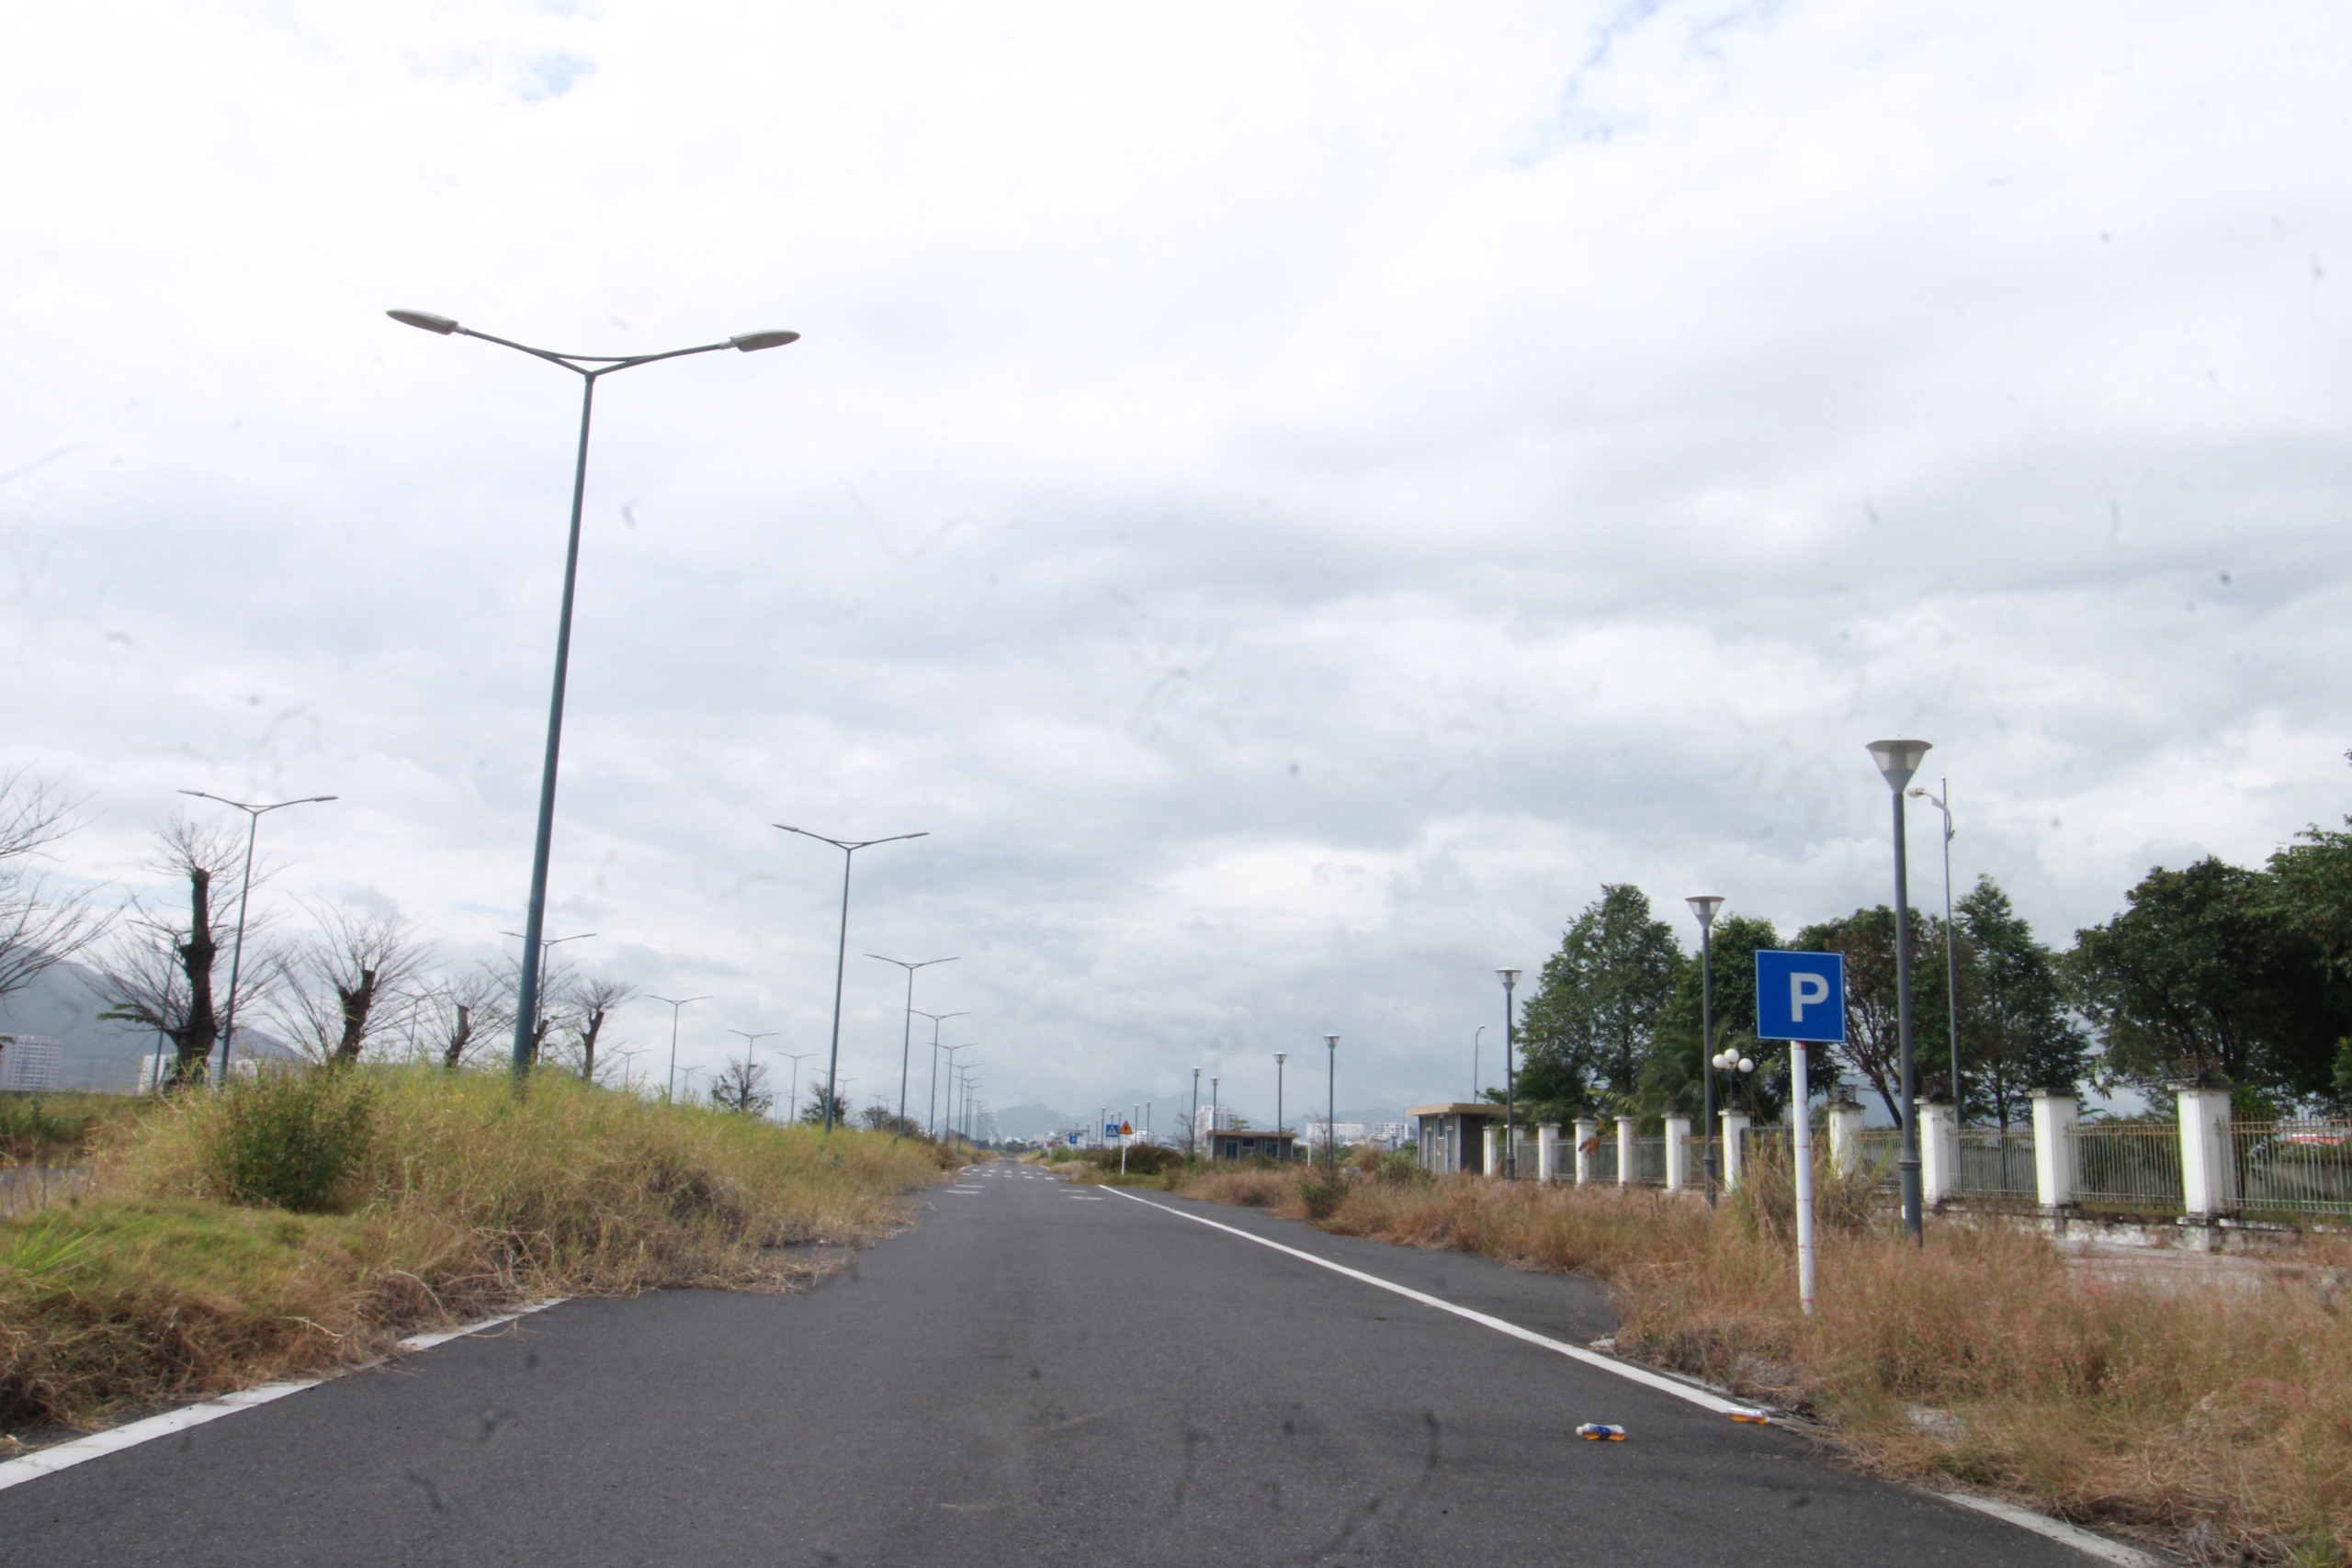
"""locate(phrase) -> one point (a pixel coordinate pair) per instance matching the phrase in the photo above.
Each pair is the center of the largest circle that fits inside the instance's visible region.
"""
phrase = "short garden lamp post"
(1898, 760)
(1704, 906)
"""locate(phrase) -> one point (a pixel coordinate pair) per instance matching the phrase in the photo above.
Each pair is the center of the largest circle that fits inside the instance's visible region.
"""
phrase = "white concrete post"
(1735, 1138)
(2208, 1167)
(1625, 1125)
(1494, 1146)
(1586, 1131)
(1547, 1151)
(1678, 1153)
(2055, 1111)
(1938, 1152)
(1845, 1136)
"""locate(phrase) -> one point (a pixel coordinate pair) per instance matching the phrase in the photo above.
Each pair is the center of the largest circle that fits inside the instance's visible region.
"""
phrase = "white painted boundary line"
(97, 1445)
(1630, 1373)
(2081, 1539)
(2059, 1530)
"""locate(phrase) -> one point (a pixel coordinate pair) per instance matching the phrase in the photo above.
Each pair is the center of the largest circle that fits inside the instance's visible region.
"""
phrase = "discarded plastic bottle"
(1600, 1432)
(1755, 1417)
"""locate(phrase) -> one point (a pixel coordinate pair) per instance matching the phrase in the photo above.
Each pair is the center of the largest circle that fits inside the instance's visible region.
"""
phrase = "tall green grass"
(430, 1197)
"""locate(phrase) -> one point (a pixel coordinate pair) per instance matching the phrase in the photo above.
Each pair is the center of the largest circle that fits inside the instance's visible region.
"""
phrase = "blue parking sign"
(1801, 996)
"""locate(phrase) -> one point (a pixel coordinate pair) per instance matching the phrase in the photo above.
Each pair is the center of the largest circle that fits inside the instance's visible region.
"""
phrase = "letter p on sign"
(1801, 996)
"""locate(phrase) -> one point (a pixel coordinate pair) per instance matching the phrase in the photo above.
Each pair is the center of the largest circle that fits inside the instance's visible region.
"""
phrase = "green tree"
(1587, 1027)
(2016, 1035)
(2201, 976)
(1872, 1047)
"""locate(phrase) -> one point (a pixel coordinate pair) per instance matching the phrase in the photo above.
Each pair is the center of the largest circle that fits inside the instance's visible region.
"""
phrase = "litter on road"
(1600, 1432)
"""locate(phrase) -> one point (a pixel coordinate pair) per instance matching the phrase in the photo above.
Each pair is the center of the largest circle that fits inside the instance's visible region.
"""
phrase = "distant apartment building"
(1216, 1119)
(1358, 1134)
(30, 1063)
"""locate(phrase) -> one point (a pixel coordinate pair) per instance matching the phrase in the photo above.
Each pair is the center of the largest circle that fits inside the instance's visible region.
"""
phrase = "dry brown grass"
(2217, 1418)
(464, 1199)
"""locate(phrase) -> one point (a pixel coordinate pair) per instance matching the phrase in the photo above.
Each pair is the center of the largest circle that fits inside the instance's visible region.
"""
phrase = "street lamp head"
(424, 320)
(1331, 1042)
(1898, 760)
(750, 343)
(1511, 977)
(1746, 1065)
(1704, 906)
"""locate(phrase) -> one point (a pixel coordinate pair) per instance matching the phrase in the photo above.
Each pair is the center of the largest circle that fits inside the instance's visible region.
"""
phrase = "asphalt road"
(1034, 1374)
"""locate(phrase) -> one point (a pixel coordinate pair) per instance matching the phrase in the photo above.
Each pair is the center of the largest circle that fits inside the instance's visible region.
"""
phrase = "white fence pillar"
(1625, 1125)
(2208, 1173)
(1678, 1153)
(1547, 1151)
(2055, 1111)
(1587, 1133)
(1845, 1136)
(1938, 1151)
(1734, 1146)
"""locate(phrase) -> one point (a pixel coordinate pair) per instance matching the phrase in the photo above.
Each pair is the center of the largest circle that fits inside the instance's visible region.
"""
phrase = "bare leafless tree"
(38, 925)
(354, 980)
(158, 972)
(578, 1009)
(460, 1012)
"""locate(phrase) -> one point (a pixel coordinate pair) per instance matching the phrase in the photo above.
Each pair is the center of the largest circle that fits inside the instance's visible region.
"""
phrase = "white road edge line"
(1630, 1373)
(81, 1451)
(2059, 1530)
(2081, 1539)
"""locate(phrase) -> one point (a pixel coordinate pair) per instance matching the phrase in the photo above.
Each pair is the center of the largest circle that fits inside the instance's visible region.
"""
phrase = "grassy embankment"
(2216, 1418)
(293, 1228)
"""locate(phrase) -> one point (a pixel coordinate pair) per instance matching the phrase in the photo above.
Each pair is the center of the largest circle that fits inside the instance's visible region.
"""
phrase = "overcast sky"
(1290, 498)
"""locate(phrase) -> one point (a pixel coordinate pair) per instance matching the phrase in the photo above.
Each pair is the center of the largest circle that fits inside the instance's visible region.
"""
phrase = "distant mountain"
(64, 1003)
(1033, 1120)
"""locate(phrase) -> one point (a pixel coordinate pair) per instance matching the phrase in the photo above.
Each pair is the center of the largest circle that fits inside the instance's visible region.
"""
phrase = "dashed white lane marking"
(81, 1451)
(2082, 1540)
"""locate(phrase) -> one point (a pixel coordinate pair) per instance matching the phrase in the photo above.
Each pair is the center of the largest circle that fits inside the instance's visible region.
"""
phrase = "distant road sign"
(1801, 996)
(1110, 1129)
(1126, 1129)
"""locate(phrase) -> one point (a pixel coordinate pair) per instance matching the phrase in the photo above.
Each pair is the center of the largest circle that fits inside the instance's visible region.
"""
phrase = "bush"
(1323, 1195)
(290, 1139)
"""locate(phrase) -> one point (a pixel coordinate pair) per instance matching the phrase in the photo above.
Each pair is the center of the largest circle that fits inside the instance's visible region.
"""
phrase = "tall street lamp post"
(1213, 1080)
(795, 1059)
(669, 1089)
(1898, 760)
(947, 1106)
(1331, 1104)
(1704, 906)
(931, 1096)
(750, 1040)
(1280, 1057)
(849, 847)
(1477, 1038)
(1510, 1081)
(589, 369)
(906, 1044)
(253, 815)
(1193, 1128)
(1952, 975)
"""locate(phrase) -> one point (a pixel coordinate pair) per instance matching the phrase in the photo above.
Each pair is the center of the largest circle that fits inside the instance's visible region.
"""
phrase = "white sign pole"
(1801, 1153)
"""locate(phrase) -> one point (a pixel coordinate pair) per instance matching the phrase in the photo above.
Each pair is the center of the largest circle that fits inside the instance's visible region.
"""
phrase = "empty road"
(1034, 1373)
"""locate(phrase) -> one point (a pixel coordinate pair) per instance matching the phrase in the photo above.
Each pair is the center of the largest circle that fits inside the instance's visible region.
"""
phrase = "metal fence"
(1876, 1151)
(1602, 1161)
(1997, 1163)
(2294, 1167)
(1649, 1162)
(2136, 1164)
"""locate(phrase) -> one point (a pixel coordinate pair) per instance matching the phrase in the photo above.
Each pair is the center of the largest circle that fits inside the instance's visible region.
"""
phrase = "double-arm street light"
(795, 1059)
(906, 1044)
(1704, 906)
(589, 369)
(947, 1105)
(1898, 760)
(931, 1098)
(253, 813)
(527, 986)
(849, 847)
(669, 1089)
(749, 1040)
(1952, 975)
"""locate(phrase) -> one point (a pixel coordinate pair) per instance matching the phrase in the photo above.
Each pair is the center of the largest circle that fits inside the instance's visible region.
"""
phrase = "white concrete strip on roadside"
(2081, 1539)
(131, 1434)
